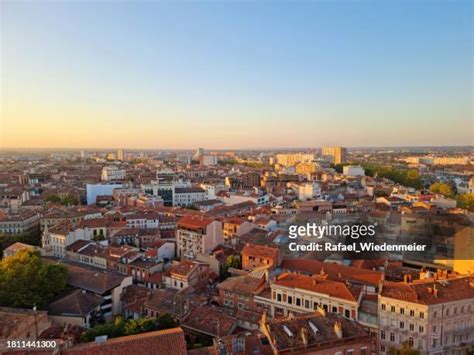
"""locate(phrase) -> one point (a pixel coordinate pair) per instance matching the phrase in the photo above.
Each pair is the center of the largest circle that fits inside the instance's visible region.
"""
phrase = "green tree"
(121, 327)
(53, 199)
(26, 280)
(69, 200)
(405, 349)
(466, 201)
(232, 261)
(442, 188)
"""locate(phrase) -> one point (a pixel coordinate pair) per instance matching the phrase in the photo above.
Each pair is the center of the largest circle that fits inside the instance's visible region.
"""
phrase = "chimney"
(338, 329)
(304, 336)
(435, 290)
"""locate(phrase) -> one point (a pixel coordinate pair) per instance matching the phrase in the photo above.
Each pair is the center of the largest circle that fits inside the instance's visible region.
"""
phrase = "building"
(168, 341)
(208, 160)
(291, 159)
(236, 227)
(19, 323)
(298, 293)
(435, 315)
(19, 223)
(57, 238)
(254, 256)
(187, 273)
(306, 190)
(238, 292)
(318, 334)
(108, 285)
(187, 196)
(197, 235)
(259, 199)
(112, 173)
(337, 155)
(353, 170)
(104, 189)
(15, 248)
(120, 154)
(78, 308)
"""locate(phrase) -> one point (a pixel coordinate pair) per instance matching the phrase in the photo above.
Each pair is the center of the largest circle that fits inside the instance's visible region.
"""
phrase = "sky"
(236, 74)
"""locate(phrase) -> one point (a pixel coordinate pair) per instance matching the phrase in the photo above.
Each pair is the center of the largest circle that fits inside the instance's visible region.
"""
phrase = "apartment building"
(298, 293)
(254, 256)
(291, 159)
(19, 223)
(197, 235)
(112, 173)
(435, 316)
(337, 155)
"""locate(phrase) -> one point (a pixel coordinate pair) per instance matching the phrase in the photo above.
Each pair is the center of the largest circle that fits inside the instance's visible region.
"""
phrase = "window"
(411, 341)
(392, 337)
(382, 348)
(402, 325)
(298, 301)
(290, 299)
(334, 309)
(350, 352)
(392, 309)
(421, 329)
(363, 351)
(306, 304)
(383, 307)
(279, 297)
(402, 310)
(347, 313)
(422, 315)
(412, 327)
(382, 334)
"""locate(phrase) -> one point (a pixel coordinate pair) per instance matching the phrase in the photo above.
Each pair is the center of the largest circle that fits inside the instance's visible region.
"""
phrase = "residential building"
(353, 170)
(318, 334)
(337, 155)
(298, 293)
(255, 256)
(197, 235)
(112, 173)
(435, 315)
(187, 273)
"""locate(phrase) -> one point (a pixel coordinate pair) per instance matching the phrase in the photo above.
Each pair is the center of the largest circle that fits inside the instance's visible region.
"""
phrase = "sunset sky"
(240, 74)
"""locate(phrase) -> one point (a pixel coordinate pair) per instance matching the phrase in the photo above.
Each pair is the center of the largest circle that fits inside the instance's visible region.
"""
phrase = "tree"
(27, 281)
(232, 261)
(406, 349)
(69, 200)
(442, 188)
(121, 327)
(53, 199)
(466, 201)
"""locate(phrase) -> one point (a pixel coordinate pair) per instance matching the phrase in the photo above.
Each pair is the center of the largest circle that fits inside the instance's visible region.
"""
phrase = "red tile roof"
(305, 282)
(169, 342)
(194, 222)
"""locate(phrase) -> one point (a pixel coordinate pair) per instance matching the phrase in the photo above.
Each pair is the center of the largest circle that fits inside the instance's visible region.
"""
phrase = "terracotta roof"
(305, 282)
(244, 285)
(262, 251)
(91, 279)
(134, 297)
(75, 303)
(194, 222)
(210, 320)
(423, 292)
(286, 334)
(169, 341)
(334, 271)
